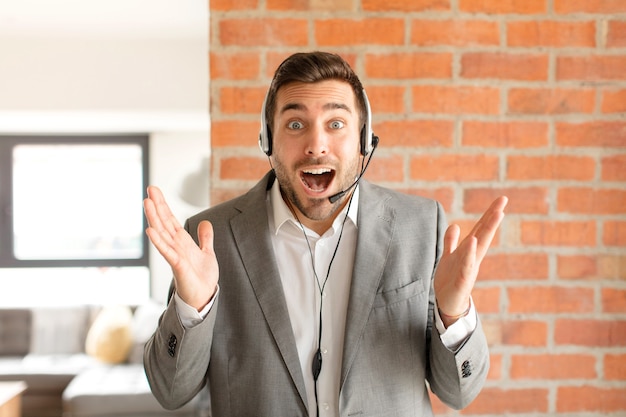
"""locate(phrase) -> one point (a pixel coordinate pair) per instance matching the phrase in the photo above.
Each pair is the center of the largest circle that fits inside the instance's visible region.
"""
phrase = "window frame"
(7, 144)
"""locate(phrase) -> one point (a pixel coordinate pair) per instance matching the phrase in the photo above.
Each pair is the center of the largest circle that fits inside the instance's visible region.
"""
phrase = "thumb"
(205, 236)
(451, 238)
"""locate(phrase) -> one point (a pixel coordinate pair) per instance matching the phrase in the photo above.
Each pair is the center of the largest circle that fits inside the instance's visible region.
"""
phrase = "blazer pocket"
(397, 295)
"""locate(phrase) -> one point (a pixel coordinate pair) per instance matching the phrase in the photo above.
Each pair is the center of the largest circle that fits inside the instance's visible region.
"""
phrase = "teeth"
(317, 171)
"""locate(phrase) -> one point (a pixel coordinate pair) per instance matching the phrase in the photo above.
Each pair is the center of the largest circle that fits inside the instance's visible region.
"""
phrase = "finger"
(451, 238)
(486, 228)
(205, 236)
(166, 218)
(164, 247)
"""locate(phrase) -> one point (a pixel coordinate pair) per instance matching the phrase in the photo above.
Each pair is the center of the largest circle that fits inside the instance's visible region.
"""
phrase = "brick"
(455, 99)
(600, 267)
(590, 398)
(550, 300)
(614, 233)
(455, 32)
(595, 133)
(263, 32)
(577, 267)
(227, 5)
(374, 31)
(558, 233)
(527, 333)
(234, 133)
(612, 267)
(522, 200)
(495, 367)
(590, 333)
(548, 33)
(506, 134)
(241, 100)
(583, 200)
(616, 35)
(589, 6)
(311, 5)
(614, 168)
(234, 66)
(514, 267)
(551, 101)
(615, 367)
(387, 169)
(454, 167)
(551, 167)
(504, 66)
(409, 65)
(243, 168)
(499, 401)
(613, 300)
(553, 366)
(591, 68)
(405, 6)
(503, 7)
(386, 99)
(486, 299)
(613, 101)
(416, 133)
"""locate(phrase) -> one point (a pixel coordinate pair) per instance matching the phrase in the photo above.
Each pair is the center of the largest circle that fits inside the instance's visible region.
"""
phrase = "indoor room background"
(470, 98)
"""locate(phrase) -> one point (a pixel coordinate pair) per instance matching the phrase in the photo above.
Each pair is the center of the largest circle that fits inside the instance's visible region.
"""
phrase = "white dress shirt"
(301, 285)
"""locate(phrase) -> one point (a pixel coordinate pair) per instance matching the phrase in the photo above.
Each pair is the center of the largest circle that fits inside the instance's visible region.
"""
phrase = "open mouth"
(317, 179)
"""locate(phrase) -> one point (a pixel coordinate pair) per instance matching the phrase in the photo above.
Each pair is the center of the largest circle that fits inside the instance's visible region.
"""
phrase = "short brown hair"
(312, 67)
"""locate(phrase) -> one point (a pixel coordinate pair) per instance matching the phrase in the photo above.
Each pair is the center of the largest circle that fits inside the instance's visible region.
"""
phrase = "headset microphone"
(333, 198)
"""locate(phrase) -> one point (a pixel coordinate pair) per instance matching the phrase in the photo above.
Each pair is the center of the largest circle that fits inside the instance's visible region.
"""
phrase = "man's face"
(315, 142)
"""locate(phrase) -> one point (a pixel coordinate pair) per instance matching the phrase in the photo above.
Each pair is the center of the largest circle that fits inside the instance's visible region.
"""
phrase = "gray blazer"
(245, 349)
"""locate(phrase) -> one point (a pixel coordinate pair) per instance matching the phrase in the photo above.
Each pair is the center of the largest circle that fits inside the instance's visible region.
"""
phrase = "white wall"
(97, 85)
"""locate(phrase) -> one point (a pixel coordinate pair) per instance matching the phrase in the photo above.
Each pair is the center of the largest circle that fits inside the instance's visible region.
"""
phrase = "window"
(73, 202)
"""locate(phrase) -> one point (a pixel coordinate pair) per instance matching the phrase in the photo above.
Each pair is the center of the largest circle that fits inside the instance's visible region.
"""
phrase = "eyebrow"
(327, 106)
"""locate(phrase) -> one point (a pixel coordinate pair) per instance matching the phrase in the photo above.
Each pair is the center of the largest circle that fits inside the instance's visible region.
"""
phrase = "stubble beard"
(316, 209)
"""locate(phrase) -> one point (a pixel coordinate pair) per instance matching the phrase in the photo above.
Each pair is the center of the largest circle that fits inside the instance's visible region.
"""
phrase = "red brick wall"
(471, 99)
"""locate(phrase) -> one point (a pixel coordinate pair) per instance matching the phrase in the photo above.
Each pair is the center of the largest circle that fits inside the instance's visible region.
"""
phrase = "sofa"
(83, 361)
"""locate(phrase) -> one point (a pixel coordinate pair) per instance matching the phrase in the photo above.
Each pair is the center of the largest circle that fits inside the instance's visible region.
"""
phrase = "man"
(318, 293)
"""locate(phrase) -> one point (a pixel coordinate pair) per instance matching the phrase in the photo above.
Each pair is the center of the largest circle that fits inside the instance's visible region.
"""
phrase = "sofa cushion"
(116, 390)
(110, 337)
(15, 333)
(59, 330)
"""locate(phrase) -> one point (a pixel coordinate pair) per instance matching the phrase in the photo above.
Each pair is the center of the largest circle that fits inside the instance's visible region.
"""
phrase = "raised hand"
(459, 264)
(194, 266)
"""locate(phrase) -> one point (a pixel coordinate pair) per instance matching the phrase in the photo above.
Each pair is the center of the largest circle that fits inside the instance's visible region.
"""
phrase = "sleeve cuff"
(457, 333)
(188, 315)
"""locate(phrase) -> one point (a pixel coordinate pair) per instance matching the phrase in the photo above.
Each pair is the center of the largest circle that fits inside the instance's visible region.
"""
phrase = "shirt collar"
(282, 215)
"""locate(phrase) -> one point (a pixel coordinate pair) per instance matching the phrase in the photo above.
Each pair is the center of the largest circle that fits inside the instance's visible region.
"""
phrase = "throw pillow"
(110, 337)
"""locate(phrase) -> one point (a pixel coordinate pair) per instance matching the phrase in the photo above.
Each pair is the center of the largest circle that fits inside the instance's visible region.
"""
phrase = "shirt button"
(324, 351)
(326, 406)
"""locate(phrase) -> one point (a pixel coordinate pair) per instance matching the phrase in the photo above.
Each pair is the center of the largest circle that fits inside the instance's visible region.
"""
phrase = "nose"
(317, 142)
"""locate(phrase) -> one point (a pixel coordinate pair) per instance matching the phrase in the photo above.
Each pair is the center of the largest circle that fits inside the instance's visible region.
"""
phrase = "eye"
(295, 125)
(336, 124)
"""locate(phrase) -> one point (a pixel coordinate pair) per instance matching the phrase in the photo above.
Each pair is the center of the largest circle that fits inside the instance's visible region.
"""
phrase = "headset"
(368, 139)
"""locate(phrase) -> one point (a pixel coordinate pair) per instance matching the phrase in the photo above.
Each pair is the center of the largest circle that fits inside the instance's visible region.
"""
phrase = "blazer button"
(466, 369)
(171, 345)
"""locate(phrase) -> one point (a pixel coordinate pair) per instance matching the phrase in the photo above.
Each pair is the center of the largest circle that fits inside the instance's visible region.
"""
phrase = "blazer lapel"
(375, 230)
(252, 236)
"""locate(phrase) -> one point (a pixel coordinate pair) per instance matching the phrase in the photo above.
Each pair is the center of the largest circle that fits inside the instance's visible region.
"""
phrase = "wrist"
(449, 319)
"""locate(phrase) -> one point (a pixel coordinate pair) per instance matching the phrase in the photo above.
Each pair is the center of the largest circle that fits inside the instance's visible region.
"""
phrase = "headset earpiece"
(369, 140)
(265, 135)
